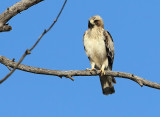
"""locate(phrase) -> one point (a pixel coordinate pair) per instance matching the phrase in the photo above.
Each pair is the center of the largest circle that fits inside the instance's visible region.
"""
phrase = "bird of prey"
(99, 47)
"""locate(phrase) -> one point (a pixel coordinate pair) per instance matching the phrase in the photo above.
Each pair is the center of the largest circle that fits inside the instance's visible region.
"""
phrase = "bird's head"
(95, 21)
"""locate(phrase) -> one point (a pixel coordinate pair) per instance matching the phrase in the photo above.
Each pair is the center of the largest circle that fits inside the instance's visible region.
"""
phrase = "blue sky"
(134, 26)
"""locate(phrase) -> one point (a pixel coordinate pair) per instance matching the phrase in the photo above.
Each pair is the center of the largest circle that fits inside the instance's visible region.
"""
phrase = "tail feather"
(107, 84)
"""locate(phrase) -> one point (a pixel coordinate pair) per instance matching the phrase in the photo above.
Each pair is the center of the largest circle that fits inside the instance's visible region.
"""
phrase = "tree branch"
(14, 10)
(68, 74)
(25, 4)
(28, 51)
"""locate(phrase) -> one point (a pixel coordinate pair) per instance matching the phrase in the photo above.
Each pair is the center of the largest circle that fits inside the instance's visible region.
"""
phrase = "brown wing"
(109, 48)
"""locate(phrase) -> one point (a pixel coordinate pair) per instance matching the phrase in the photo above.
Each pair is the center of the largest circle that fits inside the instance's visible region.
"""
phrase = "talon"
(90, 69)
(102, 72)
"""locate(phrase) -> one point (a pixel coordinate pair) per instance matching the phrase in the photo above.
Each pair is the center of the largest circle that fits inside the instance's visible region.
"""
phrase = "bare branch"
(14, 10)
(14, 68)
(45, 31)
(25, 4)
(28, 51)
(9, 68)
(70, 77)
(7, 62)
(5, 27)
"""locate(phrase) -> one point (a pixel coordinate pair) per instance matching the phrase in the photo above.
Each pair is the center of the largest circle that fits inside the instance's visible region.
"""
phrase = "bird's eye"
(95, 21)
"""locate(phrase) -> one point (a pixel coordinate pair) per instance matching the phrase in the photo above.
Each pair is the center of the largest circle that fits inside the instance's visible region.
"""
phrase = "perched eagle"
(99, 47)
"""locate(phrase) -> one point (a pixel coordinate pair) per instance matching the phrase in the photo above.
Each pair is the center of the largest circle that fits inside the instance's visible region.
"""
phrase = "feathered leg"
(92, 66)
(106, 81)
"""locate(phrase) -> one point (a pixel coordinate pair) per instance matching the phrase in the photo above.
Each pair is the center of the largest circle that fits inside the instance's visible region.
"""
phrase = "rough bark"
(14, 10)
(68, 74)
(25, 4)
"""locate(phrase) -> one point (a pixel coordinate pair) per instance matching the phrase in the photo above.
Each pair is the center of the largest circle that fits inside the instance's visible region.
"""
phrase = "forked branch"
(25, 4)
(28, 51)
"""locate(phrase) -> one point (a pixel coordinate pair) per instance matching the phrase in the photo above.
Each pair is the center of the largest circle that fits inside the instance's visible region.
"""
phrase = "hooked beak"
(92, 21)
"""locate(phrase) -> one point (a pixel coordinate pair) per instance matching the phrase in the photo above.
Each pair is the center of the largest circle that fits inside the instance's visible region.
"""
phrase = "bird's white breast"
(95, 47)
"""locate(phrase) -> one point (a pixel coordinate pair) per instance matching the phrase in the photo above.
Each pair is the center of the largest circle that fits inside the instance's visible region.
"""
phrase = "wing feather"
(109, 48)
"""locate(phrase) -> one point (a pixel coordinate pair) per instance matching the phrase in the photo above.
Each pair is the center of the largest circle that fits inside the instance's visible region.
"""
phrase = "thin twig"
(9, 68)
(14, 68)
(70, 77)
(45, 31)
(28, 51)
